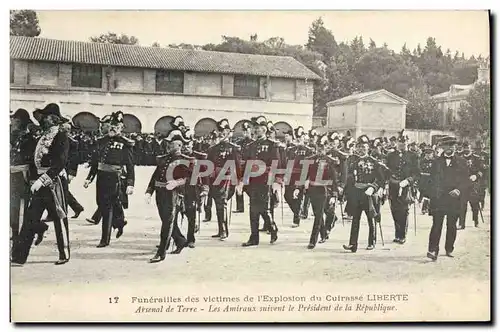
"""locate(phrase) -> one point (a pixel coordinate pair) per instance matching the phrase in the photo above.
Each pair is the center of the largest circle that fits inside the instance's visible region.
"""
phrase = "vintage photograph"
(250, 166)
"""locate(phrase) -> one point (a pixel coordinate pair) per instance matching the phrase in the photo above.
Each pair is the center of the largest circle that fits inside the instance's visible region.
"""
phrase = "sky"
(465, 31)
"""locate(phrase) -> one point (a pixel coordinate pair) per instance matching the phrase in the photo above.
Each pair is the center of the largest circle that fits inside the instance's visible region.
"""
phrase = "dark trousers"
(399, 211)
(318, 197)
(19, 197)
(469, 197)
(240, 201)
(166, 202)
(40, 201)
(437, 226)
(97, 215)
(304, 212)
(73, 203)
(221, 194)
(108, 200)
(190, 196)
(260, 206)
(208, 207)
(359, 203)
(294, 204)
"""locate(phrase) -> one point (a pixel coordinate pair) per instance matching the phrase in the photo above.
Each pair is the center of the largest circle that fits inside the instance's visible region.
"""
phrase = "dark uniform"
(22, 148)
(471, 195)
(364, 172)
(192, 194)
(166, 201)
(219, 154)
(50, 160)
(323, 184)
(447, 175)
(485, 181)
(304, 212)
(424, 182)
(259, 190)
(72, 169)
(148, 152)
(240, 201)
(297, 153)
(108, 160)
(403, 165)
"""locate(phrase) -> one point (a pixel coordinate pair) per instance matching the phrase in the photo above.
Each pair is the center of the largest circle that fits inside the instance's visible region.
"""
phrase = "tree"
(421, 110)
(155, 44)
(24, 23)
(113, 38)
(474, 113)
(321, 40)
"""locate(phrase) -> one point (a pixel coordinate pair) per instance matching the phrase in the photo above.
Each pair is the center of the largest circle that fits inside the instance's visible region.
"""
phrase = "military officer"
(72, 168)
(113, 152)
(213, 139)
(22, 146)
(171, 174)
(194, 191)
(47, 190)
(404, 172)
(449, 175)
(271, 135)
(222, 191)
(366, 180)
(259, 187)
(294, 190)
(322, 189)
(247, 139)
(424, 182)
(339, 160)
(471, 192)
(484, 156)
(312, 137)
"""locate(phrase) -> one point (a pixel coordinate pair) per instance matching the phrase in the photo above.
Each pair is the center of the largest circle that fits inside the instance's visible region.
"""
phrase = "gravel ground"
(125, 261)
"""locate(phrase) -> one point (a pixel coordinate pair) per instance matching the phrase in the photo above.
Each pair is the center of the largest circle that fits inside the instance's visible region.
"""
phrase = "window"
(246, 86)
(170, 81)
(12, 64)
(86, 76)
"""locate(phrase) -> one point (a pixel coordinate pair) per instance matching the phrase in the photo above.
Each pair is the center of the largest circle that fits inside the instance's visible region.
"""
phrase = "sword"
(481, 214)
(342, 212)
(282, 203)
(415, 216)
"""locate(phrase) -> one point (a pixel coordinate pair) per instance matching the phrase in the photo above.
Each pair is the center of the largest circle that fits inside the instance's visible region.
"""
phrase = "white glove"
(473, 178)
(147, 198)
(369, 191)
(332, 200)
(86, 184)
(36, 186)
(86, 165)
(306, 184)
(296, 194)
(340, 190)
(70, 178)
(380, 192)
(239, 188)
(130, 190)
(404, 183)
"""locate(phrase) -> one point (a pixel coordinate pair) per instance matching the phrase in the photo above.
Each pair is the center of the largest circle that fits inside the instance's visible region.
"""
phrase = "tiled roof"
(42, 49)
(360, 96)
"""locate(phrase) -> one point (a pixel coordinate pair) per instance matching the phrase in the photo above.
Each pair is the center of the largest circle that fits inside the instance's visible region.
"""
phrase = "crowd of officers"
(362, 175)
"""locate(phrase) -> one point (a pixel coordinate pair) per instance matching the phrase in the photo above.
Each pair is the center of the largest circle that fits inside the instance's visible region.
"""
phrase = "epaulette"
(200, 154)
(186, 156)
(128, 141)
(308, 147)
(161, 158)
(233, 144)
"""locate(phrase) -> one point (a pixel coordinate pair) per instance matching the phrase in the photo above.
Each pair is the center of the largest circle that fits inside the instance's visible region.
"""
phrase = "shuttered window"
(170, 81)
(86, 76)
(246, 86)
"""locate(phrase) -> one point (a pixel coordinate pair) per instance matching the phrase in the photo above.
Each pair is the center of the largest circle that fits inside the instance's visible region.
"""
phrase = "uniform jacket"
(181, 171)
(51, 152)
(364, 170)
(117, 150)
(323, 169)
(403, 165)
(297, 153)
(219, 154)
(264, 150)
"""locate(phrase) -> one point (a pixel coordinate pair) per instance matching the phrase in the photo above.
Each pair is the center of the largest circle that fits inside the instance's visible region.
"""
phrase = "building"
(448, 103)
(374, 113)
(151, 85)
